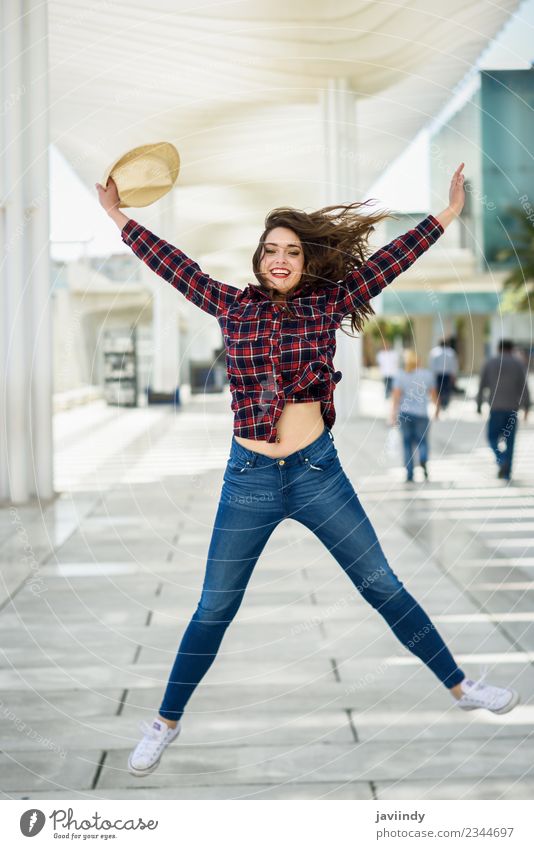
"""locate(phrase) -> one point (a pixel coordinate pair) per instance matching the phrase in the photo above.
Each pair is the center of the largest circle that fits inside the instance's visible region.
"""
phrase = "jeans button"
(281, 462)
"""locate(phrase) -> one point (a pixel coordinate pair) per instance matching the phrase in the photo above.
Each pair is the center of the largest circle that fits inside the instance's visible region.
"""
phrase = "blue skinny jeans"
(414, 438)
(311, 487)
(502, 428)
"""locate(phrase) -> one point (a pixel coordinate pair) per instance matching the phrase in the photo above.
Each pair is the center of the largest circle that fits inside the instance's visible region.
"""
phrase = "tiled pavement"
(311, 696)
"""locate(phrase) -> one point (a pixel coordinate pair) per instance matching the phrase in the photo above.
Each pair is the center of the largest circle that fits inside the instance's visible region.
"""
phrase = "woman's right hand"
(108, 196)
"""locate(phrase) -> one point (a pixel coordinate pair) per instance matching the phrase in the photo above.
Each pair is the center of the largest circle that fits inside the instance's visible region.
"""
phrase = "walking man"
(505, 378)
(443, 363)
(388, 363)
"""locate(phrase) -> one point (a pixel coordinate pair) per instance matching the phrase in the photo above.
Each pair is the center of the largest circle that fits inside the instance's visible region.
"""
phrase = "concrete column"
(338, 104)
(166, 361)
(474, 344)
(26, 358)
(423, 336)
(4, 326)
(15, 365)
(38, 272)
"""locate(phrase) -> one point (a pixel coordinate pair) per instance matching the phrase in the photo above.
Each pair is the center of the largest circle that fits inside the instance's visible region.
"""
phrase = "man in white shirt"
(443, 363)
(388, 363)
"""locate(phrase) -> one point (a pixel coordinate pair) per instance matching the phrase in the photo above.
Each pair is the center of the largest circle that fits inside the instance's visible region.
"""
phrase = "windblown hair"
(334, 240)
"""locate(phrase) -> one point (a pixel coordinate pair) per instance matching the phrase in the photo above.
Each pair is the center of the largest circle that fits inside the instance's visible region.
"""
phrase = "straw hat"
(144, 174)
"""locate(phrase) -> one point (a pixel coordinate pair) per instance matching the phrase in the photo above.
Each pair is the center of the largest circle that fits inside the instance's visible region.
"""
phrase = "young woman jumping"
(312, 271)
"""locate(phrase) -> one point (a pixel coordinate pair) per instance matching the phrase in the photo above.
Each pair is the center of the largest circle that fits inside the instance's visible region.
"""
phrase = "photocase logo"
(32, 822)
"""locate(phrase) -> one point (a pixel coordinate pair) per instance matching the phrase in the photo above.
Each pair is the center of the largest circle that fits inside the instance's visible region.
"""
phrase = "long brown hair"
(334, 240)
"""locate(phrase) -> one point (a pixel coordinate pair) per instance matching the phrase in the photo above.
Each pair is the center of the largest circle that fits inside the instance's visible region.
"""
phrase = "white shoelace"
(491, 692)
(146, 745)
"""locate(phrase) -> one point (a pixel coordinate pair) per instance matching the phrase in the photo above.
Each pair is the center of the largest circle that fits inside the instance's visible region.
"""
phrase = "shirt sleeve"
(178, 269)
(385, 265)
(397, 381)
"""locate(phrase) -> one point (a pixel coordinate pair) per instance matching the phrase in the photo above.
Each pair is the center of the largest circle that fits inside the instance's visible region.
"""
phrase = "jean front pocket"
(322, 462)
(237, 464)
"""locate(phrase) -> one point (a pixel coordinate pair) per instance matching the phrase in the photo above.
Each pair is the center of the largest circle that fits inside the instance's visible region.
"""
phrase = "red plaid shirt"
(278, 353)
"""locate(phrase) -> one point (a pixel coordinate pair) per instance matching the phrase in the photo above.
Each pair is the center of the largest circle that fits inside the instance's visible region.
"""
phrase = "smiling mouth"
(280, 273)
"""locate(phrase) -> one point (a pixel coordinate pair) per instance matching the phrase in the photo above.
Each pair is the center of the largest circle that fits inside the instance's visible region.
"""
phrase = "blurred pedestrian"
(413, 387)
(504, 376)
(388, 363)
(443, 364)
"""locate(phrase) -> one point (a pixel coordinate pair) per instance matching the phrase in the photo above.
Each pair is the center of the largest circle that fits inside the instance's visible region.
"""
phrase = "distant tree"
(389, 329)
(519, 284)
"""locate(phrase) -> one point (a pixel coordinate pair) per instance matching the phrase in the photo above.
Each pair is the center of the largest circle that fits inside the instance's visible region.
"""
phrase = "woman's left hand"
(456, 191)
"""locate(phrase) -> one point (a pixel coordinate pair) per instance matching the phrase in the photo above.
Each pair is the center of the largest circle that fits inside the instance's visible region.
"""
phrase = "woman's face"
(282, 262)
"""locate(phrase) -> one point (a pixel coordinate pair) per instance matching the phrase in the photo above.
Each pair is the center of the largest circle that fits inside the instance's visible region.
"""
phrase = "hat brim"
(144, 195)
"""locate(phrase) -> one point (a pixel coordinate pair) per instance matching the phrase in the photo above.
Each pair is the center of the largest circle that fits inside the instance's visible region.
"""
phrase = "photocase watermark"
(420, 635)
(74, 333)
(26, 218)
(34, 581)
(470, 190)
(30, 732)
(417, 392)
(43, 197)
(250, 497)
(385, 666)
(88, 11)
(436, 155)
(12, 99)
(527, 208)
(370, 677)
(334, 608)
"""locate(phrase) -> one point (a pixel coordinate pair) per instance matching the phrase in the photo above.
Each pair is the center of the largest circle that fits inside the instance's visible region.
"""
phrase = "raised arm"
(168, 261)
(388, 262)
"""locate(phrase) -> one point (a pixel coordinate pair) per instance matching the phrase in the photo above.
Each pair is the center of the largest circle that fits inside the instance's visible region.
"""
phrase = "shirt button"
(281, 462)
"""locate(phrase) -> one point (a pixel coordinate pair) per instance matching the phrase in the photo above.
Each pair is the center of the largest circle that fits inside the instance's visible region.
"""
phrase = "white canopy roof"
(236, 87)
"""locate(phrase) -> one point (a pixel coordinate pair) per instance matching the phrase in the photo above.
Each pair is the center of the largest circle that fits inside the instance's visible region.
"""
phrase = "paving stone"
(67, 656)
(483, 788)
(287, 698)
(429, 760)
(48, 771)
(312, 696)
(286, 790)
(238, 729)
(37, 706)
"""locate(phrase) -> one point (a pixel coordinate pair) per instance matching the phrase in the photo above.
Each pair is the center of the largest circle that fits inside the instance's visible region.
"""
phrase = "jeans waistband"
(315, 449)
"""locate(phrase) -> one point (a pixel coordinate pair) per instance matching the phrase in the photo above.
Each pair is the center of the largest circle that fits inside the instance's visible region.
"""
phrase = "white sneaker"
(477, 694)
(147, 754)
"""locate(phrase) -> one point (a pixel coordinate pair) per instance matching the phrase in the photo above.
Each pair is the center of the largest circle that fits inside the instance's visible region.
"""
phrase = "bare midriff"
(298, 426)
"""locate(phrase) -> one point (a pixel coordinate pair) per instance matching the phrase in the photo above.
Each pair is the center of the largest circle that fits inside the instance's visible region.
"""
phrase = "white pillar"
(26, 378)
(422, 336)
(4, 482)
(38, 274)
(338, 105)
(15, 374)
(166, 359)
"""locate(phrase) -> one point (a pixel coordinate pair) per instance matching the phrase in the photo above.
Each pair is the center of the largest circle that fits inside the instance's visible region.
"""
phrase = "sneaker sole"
(510, 706)
(140, 773)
